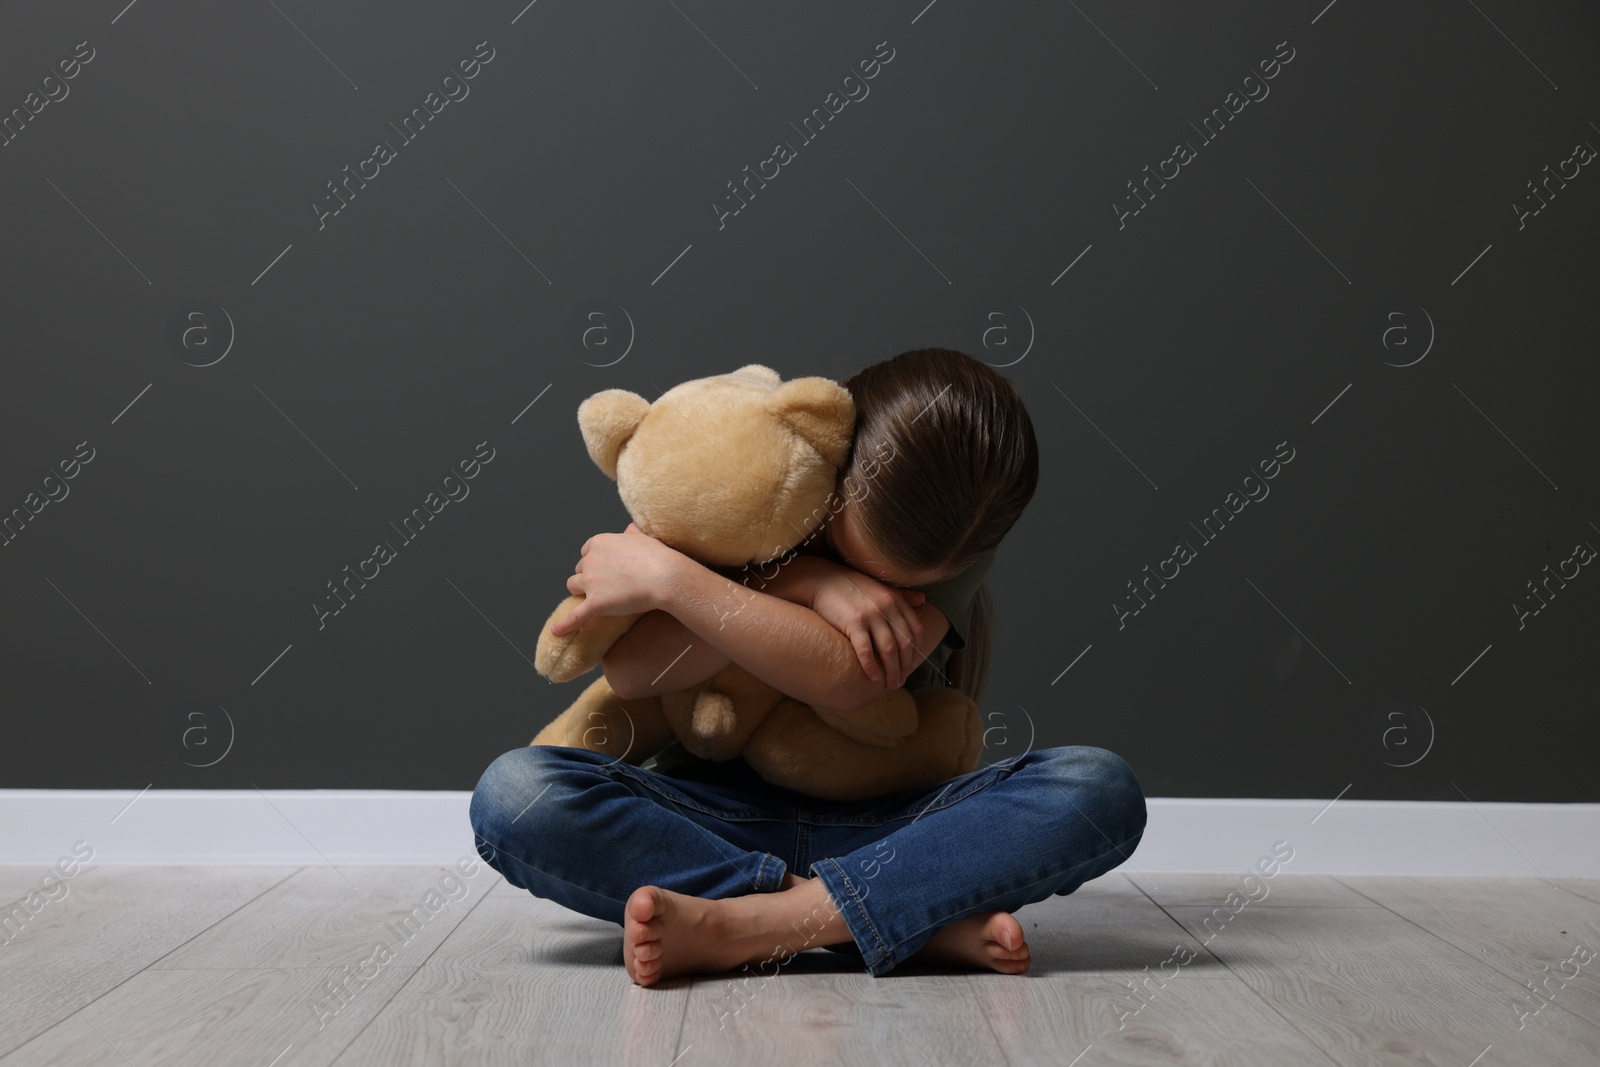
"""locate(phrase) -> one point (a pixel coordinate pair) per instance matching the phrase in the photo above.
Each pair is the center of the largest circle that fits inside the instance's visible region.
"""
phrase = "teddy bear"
(736, 470)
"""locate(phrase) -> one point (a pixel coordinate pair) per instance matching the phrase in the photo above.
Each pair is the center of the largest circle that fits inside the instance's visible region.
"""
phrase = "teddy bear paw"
(713, 715)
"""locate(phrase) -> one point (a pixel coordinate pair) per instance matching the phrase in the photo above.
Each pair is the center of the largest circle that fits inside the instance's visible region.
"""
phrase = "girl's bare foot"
(990, 939)
(666, 933)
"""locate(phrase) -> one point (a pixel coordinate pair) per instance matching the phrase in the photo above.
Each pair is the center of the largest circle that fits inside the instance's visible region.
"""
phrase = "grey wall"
(1349, 239)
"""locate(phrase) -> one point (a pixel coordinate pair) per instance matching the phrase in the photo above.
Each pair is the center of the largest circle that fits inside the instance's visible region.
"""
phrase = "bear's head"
(732, 469)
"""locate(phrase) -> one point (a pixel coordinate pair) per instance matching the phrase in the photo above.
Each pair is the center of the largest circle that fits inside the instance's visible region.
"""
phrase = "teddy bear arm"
(564, 658)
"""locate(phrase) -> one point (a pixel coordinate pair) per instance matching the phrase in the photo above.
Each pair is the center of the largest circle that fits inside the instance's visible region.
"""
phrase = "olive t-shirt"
(953, 597)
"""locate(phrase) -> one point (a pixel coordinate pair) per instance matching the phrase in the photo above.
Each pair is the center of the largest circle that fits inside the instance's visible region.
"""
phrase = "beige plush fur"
(731, 470)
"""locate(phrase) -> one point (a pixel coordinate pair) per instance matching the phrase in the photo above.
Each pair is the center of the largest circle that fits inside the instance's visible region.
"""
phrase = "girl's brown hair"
(953, 462)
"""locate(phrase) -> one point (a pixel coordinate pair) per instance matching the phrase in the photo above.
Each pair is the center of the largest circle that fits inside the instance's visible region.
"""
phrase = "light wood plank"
(1108, 927)
(1587, 888)
(503, 888)
(112, 922)
(1282, 890)
(15, 881)
(317, 919)
(822, 1014)
(524, 981)
(1054, 1018)
(1369, 987)
(1521, 927)
(518, 980)
(212, 1016)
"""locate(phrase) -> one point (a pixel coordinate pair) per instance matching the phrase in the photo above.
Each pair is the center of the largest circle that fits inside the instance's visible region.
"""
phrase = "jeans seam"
(768, 859)
(544, 873)
(882, 949)
(547, 872)
(683, 799)
(803, 834)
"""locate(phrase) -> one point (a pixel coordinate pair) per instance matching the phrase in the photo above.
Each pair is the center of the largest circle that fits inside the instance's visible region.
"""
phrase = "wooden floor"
(236, 965)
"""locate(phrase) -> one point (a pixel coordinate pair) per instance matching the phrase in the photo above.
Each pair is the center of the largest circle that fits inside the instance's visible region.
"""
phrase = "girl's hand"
(623, 573)
(880, 620)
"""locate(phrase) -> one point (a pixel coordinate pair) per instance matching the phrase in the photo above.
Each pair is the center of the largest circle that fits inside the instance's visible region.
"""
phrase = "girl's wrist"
(685, 579)
(796, 580)
(666, 592)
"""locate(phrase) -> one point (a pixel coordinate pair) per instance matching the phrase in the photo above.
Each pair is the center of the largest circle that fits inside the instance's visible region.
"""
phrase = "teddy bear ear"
(608, 419)
(820, 411)
(759, 372)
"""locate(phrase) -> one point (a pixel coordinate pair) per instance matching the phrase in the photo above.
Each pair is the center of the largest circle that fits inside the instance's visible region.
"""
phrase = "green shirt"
(953, 596)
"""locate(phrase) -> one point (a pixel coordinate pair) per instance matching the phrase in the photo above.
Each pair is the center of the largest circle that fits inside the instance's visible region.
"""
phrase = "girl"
(699, 862)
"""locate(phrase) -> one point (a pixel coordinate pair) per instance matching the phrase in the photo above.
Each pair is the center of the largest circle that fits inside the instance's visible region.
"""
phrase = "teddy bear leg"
(713, 714)
(562, 659)
(715, 720)
(710, 723)
(601, 721)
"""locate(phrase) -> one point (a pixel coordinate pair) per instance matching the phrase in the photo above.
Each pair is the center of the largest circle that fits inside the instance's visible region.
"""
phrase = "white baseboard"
(213, 827)
(1420, 837)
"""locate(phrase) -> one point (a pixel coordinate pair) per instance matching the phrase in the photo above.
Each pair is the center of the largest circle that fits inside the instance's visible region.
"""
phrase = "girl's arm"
(708, 620)
(660, 654)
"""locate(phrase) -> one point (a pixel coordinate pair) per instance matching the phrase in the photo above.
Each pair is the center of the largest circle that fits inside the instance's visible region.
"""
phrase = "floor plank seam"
(972, 990)
(1575, 893)
(1451, 945)
(1181, 928)
(683, 1022)
(1497, 972)
(401, 988)
(95, 1000)
(1364, 896)
(1567, 1009)
(1240, 979)
(1349, 964)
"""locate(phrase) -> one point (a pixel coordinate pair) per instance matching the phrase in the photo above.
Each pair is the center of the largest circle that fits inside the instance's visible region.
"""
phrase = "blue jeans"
(585, 830)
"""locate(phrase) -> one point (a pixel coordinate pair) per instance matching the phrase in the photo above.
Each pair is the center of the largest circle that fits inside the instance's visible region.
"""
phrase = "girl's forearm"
(786, 645)
(660, 654)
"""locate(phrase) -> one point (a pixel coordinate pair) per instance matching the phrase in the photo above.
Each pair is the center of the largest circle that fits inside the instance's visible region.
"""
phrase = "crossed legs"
(692, 872)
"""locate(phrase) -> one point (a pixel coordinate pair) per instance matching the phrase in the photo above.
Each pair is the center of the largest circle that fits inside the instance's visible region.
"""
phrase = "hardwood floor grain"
(1522, 927)
(1369, 987)
(1108, 927)
(1284, 889)
(318, 919)
(1051, 1019)
(212, 1016)
(524, 981)
(111, 923)
(280, 967)
(1587, 888)
(822, 1012)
